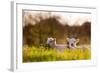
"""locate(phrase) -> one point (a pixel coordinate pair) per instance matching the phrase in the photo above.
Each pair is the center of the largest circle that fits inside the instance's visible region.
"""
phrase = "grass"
(34, 54)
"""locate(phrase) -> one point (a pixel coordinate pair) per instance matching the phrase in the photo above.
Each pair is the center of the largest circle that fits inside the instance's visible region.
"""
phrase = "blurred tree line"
(37, 34)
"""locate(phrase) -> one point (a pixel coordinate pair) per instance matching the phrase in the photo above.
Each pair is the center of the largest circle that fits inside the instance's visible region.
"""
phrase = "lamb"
(72, 42)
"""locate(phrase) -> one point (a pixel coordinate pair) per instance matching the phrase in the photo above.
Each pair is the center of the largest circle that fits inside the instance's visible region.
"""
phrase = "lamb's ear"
(67, 39)
(77, 40)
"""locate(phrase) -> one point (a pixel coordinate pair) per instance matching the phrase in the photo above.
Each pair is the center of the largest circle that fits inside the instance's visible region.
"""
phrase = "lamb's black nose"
(72, 44)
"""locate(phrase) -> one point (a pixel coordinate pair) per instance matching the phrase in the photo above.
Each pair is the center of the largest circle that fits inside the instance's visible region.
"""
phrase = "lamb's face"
(72, 42)
(51, 41)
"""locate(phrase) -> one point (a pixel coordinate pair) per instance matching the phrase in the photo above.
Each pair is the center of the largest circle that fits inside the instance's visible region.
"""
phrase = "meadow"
(39, 54)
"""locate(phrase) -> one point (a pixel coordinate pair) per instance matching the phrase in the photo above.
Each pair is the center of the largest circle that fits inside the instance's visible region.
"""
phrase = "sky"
(65, 17)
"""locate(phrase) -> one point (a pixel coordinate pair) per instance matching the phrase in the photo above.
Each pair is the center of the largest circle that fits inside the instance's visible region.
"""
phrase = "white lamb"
(72, 42)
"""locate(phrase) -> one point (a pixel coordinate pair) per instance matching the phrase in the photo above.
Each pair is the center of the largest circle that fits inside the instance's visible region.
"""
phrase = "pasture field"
(42, 54)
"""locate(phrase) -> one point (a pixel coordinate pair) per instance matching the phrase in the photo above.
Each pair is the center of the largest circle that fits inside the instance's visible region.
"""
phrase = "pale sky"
(70, 18)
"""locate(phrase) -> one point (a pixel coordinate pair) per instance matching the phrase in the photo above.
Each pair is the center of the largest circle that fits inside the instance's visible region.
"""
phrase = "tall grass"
(34, 54)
